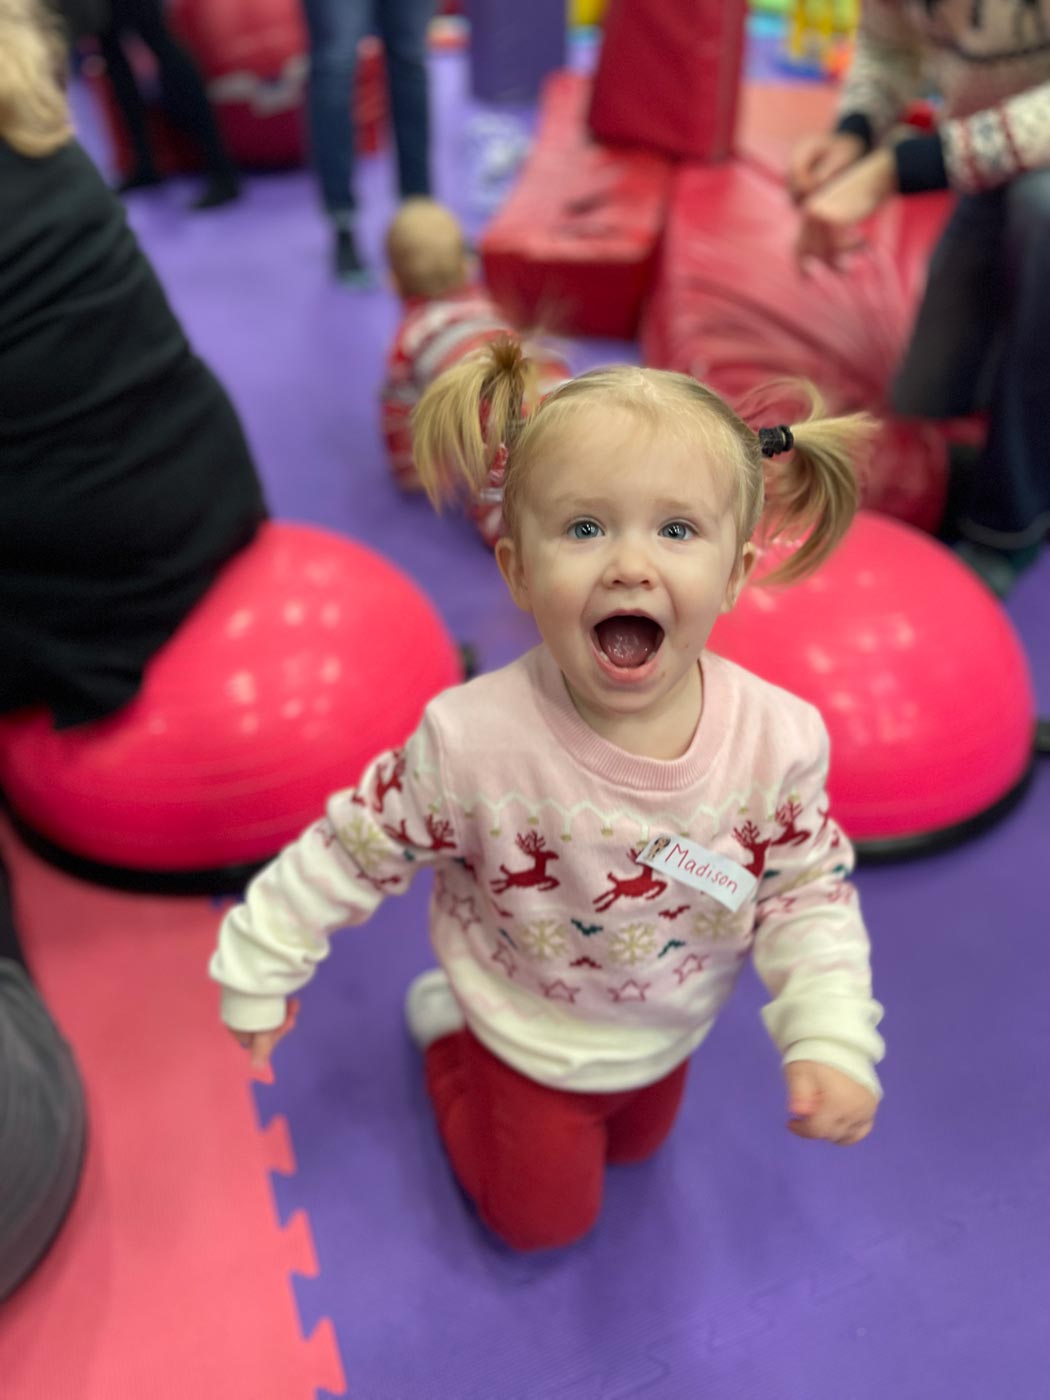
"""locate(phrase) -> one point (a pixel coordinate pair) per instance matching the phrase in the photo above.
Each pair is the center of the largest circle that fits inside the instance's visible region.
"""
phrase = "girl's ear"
(741, 571)
(508, 557)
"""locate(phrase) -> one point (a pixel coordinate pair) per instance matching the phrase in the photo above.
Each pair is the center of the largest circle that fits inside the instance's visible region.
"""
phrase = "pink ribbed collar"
(614, 764)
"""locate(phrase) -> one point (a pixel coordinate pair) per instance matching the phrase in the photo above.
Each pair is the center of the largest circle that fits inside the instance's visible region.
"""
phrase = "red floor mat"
(574, 248)
(171, 1277)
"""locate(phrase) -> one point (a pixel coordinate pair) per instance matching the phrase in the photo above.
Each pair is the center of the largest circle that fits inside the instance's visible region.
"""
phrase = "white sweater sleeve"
(811, 947)
(371, 843)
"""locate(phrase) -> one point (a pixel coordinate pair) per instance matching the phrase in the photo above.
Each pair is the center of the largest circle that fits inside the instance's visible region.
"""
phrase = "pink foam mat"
(171, 1277)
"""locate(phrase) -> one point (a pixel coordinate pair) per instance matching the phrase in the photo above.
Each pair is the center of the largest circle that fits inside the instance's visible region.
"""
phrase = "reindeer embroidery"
(536, 877)
(787, 815)
(438, 831)
(391, 783)
(749, 837)
(643, 886)
(790, 834)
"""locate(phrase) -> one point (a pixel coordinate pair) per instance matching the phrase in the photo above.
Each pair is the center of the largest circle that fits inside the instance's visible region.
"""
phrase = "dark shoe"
(143, 177)
(348, 265)
(220, 190)
(998, 568)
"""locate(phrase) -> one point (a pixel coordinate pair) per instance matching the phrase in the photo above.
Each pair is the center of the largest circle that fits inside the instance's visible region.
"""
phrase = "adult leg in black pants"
(42, 1116)
(183, 93)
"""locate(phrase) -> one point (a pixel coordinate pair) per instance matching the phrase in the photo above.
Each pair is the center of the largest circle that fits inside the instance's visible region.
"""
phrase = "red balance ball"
(308, 657)
(918, 673)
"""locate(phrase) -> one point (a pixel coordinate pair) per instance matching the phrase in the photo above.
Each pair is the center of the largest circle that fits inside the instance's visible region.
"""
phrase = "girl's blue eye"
(677, 530)
(584, 530)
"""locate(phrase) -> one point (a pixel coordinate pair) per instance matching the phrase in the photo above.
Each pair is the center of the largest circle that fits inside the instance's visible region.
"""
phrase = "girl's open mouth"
(628, 642)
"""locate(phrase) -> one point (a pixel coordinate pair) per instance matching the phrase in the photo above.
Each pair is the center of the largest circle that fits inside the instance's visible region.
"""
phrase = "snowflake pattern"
(544, 939)
(716, 925)
(366, 845)
(633, 944)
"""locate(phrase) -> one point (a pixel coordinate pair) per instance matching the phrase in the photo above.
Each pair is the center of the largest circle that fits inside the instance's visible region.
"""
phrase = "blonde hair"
(34, 113)
(426, 249)
(489, 402)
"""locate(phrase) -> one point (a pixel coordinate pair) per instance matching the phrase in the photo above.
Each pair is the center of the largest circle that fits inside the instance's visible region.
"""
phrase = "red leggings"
(533, 1158)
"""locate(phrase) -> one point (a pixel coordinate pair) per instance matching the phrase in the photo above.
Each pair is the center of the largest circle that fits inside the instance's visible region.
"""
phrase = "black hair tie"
(773, 441)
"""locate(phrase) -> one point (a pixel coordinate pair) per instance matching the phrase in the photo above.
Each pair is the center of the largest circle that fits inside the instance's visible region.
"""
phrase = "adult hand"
(824, 1103)
(817, 160)
(831, 217)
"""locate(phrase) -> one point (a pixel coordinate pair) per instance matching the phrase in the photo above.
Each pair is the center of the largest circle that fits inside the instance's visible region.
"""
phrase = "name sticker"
(692, 864)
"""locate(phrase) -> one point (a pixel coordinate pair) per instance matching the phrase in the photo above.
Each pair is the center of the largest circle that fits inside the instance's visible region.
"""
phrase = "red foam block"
(574, 248)
(668, 76)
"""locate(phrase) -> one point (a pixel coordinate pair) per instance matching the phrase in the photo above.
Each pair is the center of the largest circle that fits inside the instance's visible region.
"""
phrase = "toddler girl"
(616, 821)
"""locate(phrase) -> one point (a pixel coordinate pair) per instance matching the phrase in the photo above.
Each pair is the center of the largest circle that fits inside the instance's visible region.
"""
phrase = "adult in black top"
(125, 479)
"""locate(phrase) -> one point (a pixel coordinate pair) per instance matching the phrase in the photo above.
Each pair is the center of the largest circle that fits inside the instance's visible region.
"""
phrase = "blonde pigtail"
(34, 112)
(466, 416)
(811, 489)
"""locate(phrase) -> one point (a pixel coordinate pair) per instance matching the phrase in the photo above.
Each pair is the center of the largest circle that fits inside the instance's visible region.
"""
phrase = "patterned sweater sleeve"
(811, 947)
(991, 147)
(885, 73)
(372, 841)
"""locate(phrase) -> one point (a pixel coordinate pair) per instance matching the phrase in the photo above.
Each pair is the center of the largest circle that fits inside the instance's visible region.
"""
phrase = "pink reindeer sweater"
(573, 962)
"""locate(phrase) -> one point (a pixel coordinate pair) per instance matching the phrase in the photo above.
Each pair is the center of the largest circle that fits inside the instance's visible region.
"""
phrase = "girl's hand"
(261, 1043)
(825, 1103)
(832, 215)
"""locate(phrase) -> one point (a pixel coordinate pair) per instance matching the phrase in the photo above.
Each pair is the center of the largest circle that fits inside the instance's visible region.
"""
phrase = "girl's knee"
(529, 1234)
(531, 1214)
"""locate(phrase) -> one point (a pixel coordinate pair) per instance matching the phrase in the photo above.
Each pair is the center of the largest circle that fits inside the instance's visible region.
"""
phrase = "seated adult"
(125, 486)
(980, 341)
(126, 482)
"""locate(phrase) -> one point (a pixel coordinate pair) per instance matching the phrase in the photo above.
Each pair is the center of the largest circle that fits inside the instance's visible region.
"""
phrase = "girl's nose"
(630, 565)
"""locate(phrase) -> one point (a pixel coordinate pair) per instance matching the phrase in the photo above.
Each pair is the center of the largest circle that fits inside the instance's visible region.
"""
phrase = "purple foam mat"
(740, 1263)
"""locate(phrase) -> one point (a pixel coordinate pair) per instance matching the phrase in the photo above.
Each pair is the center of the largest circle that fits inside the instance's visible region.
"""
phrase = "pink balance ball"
(919, 676)
(308, 657)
